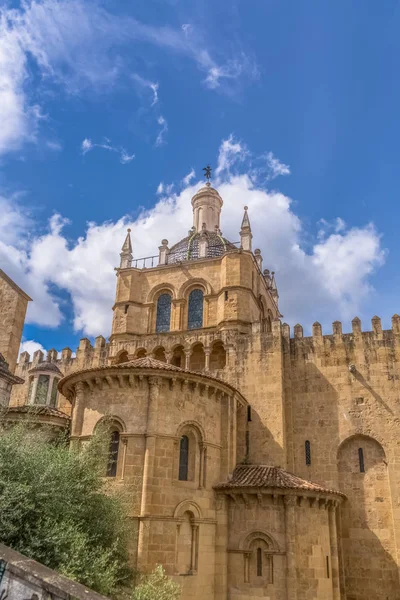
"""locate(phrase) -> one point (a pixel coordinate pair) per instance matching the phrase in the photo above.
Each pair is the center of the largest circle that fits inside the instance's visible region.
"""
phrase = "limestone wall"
(342, 397)
(13, 305)
(232, 287)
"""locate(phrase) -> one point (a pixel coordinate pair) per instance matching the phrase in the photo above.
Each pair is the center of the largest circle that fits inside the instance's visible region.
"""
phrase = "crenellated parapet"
(319, 341)
(86, 356)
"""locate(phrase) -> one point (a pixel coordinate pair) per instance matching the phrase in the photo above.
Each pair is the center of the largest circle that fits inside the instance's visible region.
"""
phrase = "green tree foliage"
(57, 508)
(157, 586)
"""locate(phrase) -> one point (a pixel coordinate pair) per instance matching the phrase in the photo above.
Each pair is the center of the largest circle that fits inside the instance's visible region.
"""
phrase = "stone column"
(187, 359)
(168, 357)
(207, 352)
(125, 446)
(334, 552)
(195, 535)
(290, 538)
(31, 399)
(221, 548)
(78, 412)
(148, 467)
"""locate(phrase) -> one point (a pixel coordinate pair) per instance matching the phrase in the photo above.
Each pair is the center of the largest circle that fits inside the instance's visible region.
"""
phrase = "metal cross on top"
(207, 172)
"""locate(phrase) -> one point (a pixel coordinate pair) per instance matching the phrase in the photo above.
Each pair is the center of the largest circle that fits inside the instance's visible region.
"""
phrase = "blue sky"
(295, 105)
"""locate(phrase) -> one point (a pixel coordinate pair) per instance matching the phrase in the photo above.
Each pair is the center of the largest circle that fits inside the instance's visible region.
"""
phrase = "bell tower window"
(195, 309)
(163, 320)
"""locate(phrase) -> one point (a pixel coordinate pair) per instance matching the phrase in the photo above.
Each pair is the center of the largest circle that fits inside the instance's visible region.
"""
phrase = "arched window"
(163, 320)
(195, 309)
(113, 454)
(42, 389)
(307, 448)
(361, 460)
(184, 458)
(259, 562)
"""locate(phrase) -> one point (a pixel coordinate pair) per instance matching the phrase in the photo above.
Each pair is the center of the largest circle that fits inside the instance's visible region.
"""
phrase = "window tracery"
(195, 309)
(163, 318)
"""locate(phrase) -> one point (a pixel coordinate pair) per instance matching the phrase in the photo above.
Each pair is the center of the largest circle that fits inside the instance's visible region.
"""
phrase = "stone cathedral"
(268, 464)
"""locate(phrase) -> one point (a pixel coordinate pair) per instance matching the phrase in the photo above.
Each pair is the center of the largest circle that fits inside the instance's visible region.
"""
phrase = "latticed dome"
(188, 248)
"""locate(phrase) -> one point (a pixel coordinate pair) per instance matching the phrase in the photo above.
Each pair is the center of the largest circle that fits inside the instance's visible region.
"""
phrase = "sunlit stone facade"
(260, 465)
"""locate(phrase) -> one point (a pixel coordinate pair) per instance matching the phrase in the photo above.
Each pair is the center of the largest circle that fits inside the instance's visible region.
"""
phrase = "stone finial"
(337, 328)
(396, 323)
(274, 289)
(52, 355)
(316, 329)
(99, 342)
(258, 257)
(376, 325)
(267, 277)
(38, 357)
(356, 325)
(245, 232)
(126, 252)
(66, 354)
(163, 252)
(298, 331)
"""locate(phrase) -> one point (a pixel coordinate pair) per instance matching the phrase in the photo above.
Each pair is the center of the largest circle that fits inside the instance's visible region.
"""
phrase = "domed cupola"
(204, 240)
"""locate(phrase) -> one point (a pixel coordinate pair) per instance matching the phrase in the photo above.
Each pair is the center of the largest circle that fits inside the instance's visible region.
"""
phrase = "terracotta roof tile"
(261, 476)
(45, 366)
(150, 363)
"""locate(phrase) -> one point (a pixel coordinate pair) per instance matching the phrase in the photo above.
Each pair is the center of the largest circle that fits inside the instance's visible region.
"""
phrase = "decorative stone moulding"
(131, 374)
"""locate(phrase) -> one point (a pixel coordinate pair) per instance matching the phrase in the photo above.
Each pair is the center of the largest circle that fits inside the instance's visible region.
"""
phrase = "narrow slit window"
(226, 295)
(259, 562)
(327, 567)
(249, 413)
(184, 458)
(307, 447)
(361, 460)
(113, 454)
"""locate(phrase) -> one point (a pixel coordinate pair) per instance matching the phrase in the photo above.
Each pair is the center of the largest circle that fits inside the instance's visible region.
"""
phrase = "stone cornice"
(124, 375)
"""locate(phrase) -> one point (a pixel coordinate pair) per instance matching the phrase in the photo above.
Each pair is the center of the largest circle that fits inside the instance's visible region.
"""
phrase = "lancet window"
(184, 458)
(113, 454)
(163, 319)
(195, 309)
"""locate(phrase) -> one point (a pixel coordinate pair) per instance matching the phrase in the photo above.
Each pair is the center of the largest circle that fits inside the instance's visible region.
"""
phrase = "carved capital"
(80, 387)
(290, 501)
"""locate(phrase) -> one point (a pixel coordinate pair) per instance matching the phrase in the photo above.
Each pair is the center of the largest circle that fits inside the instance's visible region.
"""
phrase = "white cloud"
(276, 167)
(31, 347)
(188, 178)
(230, 154)
(54, 145)
(146, 83)
(87, 145)
(331, 280)
(80, 46)
(164, 128)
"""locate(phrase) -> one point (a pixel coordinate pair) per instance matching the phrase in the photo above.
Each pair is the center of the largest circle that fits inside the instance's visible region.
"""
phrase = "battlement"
(357, 338)
(86, 356)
